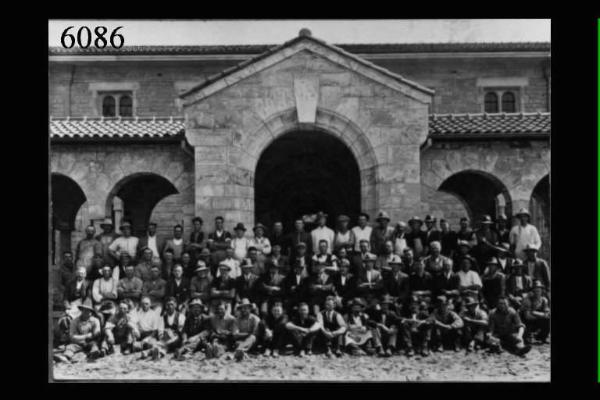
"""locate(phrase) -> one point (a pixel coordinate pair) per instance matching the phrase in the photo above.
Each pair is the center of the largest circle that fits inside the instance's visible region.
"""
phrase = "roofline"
(457, 137)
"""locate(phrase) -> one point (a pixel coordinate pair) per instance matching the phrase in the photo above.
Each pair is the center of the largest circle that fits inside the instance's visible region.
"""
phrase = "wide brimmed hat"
(492, 261)
(201, 266)
(87, 305)
(357, 301)
(469, 301)
(382, 215)
(415, 219)
(537, 284)
(387, 299)
(486, 220)
(429, 218)
(259, 225)
(225, 266)
(196, 302)
(370, 257)
(464, 243)
(501, 217)
(441, 299)
(125, 225)
(321, 214)
(239, 227)
(523, 211)
(107, 308)
(247, 263)
(244, 303)
(531, 247)
(343, 218)
(106, 222)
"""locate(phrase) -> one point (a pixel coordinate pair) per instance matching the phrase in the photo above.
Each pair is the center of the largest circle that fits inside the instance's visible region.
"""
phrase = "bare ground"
(446, 366)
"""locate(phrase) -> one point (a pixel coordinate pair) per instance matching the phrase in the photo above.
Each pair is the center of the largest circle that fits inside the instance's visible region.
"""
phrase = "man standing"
(86, 248)
(448, 239)
(322, 232)
(343, 235)
(523, 234)
(197, 238)
(154, 289)
(415, 239)
(432, 234)
(67, 270)
(487, 240)
(176, 244)
(151, 241)
(106, 238)
(506, 329)
(84, 333)
(303, 329)
(362, 231)
(297, 237)
(536, 314)
(219, 240)
(277, 237)
(124, 243)
(240, 243)
(332, 326)
(130, 286)
(399, 238)
(501, 228)
(381, 233)
(245, 329)
(260, 242)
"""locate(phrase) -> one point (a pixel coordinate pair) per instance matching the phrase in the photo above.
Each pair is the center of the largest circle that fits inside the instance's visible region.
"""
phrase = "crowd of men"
(376, 290)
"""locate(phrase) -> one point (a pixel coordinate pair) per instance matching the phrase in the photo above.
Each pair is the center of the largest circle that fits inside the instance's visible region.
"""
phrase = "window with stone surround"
(116, 104)
(497, 100)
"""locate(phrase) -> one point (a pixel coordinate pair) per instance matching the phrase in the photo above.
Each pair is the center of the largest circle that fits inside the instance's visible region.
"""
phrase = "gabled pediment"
(306, 43)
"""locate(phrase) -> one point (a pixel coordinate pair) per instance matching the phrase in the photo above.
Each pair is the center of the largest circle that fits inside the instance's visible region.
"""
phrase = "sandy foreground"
(446, 366)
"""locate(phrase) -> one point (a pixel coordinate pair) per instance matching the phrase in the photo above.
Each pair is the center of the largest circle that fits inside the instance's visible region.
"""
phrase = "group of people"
(378, 290)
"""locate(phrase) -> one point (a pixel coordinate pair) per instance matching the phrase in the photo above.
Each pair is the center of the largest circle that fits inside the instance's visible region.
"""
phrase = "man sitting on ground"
(303, 328)
(245, 329)
(333, 327)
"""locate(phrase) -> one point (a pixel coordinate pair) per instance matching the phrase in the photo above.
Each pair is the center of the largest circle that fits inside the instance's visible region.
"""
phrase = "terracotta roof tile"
(125, 128)
(490, 125)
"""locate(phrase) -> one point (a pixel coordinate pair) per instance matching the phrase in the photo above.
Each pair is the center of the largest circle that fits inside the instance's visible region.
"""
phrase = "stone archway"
(539, 206)
(67, 199)
(302, 172)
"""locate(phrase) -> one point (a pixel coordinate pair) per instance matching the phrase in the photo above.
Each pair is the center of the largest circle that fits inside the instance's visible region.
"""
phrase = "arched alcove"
(67, 197)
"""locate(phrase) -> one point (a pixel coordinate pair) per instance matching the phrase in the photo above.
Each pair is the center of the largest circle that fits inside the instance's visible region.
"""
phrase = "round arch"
(134, 197)
(480, 192)
(539, 206)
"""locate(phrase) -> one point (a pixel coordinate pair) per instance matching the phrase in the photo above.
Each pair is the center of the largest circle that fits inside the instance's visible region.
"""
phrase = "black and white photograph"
(299, 200)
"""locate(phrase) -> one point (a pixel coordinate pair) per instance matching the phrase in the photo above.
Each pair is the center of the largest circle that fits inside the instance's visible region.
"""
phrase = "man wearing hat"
(518, 283)
(487, 240)
(245, 329)
(446, 325)
(271, 288)
(343, 234)
(124, 243)
(246, 285)
(302, 257)
(505, 258)
(233, 263)
(493, 283)
(151, 241)
(359, 258)
(474, 331)
(105, 238)
(432, 234)
(84, 333)
(397, 284)
(416, 238)
(219, 240)
(296, 286)
(536, 314)
(298, 236)
(361, 334)
(194, 330)
(381, 233)
(200, 285)
(240, 242)
(333, 327)
(506, 329)
(370, 282)
(223, 289)
(536, 267)
(387, 257)
(344, 284)
(362, 231)
(86, 248)
(464, 251)
(523, 234)
(322, 232)
(260, 241)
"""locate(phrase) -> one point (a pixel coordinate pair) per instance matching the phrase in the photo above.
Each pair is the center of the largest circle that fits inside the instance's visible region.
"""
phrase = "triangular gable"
(305, 42)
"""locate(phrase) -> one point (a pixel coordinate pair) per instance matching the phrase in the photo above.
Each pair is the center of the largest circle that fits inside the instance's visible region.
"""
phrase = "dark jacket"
(181, 292)
(442, 282)
(247, 288)
(398, 286)
(319, 294)
(346, 291)
(493, 288)
(295, 292)
(294, 238)
(421, 283)
(71, 292)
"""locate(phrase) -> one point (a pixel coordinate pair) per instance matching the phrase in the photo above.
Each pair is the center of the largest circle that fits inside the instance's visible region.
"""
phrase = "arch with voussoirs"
(480, 192)
(134, 197)
(67, 199)
(539, 207)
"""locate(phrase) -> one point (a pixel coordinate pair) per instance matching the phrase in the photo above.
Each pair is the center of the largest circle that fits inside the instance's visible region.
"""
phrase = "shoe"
(209, 351)
(126, 351)
(439, 349)
(328, 354)
(388, 353)
(239, 355)
(409, 352)
(523, 350)
(155, 353)
(61, 358)
(267, 352)
(275, 353)
(302, 353)
(309, 353)
(425, 352)
(338, 353)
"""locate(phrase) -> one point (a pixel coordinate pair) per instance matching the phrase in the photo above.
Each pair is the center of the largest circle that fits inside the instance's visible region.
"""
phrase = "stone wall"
(157, 84)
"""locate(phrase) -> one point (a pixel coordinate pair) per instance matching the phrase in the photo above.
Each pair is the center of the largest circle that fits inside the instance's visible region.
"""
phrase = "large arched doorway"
(302, 172)
(480, 192)
(134, 197)
(67, 198)
(540, 213)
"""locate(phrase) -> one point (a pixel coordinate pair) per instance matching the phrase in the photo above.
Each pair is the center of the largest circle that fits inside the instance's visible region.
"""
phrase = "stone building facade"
(259, 133)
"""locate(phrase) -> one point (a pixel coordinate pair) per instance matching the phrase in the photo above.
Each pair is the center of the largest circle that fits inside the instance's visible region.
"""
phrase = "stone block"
(210, 154)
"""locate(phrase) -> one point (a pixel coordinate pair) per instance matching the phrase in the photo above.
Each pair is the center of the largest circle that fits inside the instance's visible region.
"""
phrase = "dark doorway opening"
(540, 214)
(67, 198)
(303, 172)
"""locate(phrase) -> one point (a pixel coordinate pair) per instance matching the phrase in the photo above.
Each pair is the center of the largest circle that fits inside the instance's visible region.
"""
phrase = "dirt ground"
(446, 366)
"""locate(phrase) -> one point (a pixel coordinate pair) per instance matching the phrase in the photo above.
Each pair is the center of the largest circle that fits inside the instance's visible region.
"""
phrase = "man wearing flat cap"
(322, 232)
(124, 243)
(381, 233)
(523, 234)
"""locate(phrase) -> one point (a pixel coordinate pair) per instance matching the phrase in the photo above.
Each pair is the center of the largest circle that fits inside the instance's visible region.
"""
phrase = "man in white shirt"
(362, 231)
(240, 243)
(262, 244)
(105, 288)
(523, 234)
(233, 263)
(322, 232)
(469, 280)
(176, 244)
(124, 243)
(148, 326)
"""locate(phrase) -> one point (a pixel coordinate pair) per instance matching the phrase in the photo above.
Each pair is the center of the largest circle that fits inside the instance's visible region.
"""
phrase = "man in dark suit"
(344, 284)
(278, 237)
(358, 259)
(295, 287)
(370, 282)
(298, 236)
(432, 234)
(178, 286)
(320, 287)
(397, 283)
(77, 289)
(446, 283)
(246, 284)
(152, 241)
